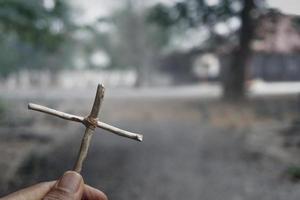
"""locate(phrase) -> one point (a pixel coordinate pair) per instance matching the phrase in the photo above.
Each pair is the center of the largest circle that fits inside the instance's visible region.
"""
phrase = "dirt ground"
(192, 150)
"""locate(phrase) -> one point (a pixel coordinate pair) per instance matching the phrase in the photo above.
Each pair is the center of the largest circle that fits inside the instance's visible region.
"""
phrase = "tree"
(34, 33)
(209, 15)
(131, 42)
(234, 83)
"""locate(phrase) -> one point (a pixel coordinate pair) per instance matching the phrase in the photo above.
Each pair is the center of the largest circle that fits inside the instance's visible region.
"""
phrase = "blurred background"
(213, 85)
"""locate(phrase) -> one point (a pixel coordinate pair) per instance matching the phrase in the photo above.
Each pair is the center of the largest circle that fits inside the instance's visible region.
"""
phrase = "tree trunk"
(234, 84)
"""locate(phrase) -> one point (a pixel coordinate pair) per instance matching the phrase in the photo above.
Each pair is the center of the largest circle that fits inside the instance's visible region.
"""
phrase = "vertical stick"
(85, 144)
(91, 124)
(97, 102)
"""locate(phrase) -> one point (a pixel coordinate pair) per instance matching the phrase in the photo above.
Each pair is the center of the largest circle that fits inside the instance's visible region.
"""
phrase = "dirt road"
(182, 157)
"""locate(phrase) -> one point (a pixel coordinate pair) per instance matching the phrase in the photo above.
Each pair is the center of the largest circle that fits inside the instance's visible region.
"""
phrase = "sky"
(286, 6)
(90, 10)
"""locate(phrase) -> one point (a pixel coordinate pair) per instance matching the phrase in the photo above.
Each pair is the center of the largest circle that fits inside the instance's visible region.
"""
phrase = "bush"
(2, 108)
(294, 173)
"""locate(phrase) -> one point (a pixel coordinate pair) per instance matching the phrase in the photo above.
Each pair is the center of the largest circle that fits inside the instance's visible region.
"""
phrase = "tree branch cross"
(91, 122)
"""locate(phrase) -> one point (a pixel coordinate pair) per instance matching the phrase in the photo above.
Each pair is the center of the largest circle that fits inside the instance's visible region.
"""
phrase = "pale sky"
(286, 6)
(92, 9)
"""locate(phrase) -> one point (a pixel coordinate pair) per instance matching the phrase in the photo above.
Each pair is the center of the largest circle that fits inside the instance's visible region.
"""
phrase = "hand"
(69, 187)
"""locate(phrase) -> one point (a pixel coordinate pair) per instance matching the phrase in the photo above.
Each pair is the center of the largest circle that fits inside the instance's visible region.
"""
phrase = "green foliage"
(200, 13)
(296, 23)
(32, 22)
(2, 110)
(32, 35)
(161, 15)
(194, 12)
(130, 39)
(294, 173)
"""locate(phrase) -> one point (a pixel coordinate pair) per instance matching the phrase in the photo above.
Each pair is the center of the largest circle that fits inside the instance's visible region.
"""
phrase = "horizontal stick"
(76, 118)
(66, 116)
(120, 132)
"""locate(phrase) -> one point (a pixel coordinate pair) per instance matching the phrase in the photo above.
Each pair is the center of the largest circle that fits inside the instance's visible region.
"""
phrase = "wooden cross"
(91, 122)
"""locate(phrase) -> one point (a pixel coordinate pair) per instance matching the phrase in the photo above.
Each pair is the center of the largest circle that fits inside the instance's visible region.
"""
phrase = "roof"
(277, 33)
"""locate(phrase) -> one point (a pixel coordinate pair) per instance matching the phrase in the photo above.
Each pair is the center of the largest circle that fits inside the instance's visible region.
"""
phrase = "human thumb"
(69, 187)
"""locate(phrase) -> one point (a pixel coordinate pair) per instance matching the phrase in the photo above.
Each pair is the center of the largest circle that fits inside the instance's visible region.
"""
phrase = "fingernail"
(70, 181)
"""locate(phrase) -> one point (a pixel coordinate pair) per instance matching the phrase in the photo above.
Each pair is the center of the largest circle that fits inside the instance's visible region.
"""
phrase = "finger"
(91, 193)
(69, 187)
(35, 192)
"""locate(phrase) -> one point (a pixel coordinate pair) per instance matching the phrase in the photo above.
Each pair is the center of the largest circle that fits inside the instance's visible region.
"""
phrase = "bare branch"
(120, 132)
(76, 118)
(98, 101)
(56, 113)
(85, 144)
(91, 122)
